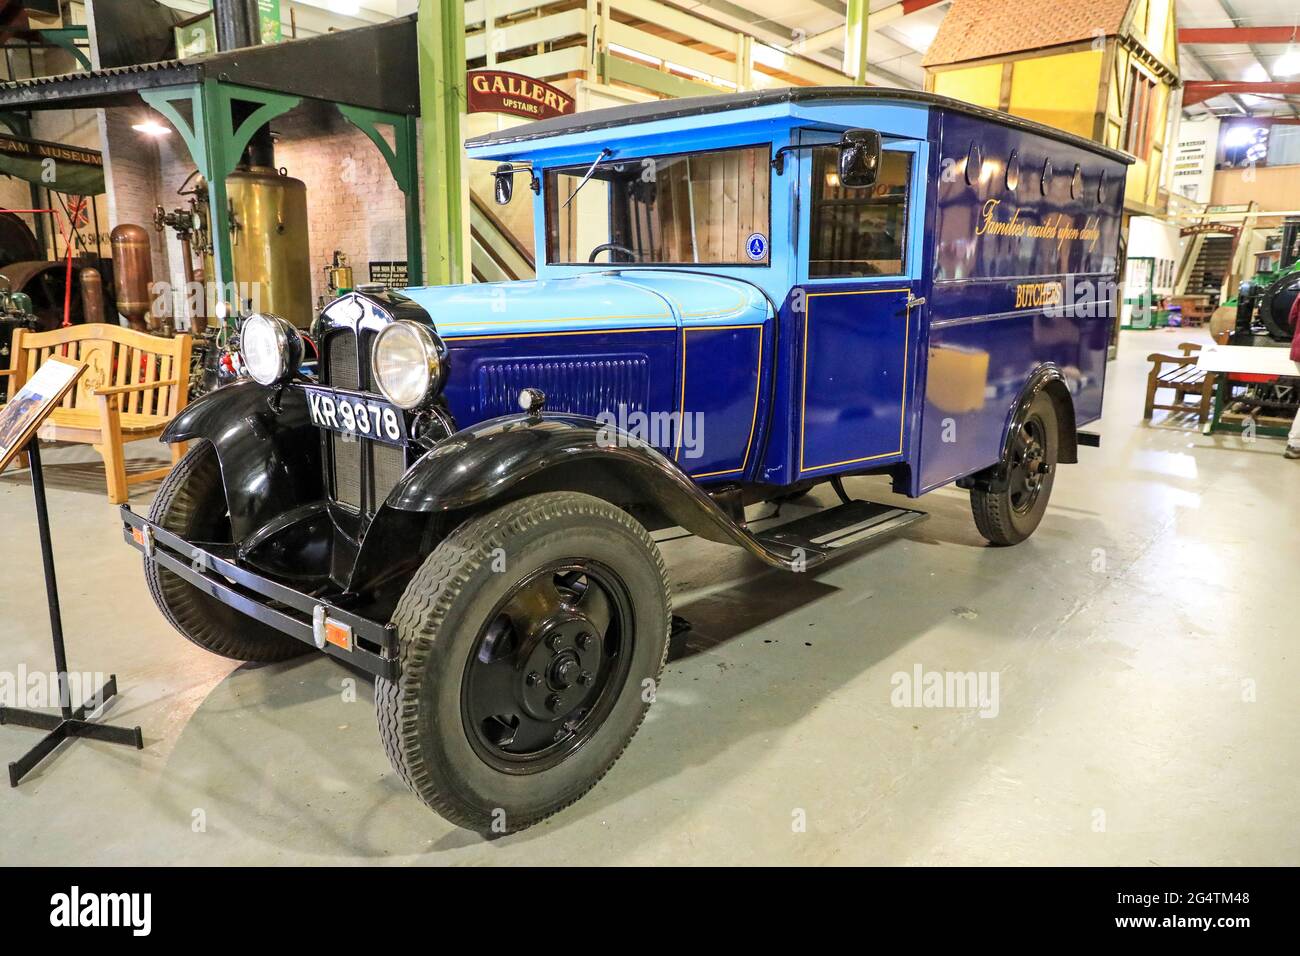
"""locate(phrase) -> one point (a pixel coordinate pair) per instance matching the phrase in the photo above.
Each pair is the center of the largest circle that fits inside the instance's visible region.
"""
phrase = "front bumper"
(367, 644)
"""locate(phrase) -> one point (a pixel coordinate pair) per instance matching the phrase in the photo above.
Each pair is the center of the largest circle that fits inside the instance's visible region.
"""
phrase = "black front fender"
(268, 450)
(511, 457)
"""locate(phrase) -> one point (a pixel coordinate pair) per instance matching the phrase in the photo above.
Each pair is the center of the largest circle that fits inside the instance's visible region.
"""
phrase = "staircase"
(496, 253)
(1212, 266)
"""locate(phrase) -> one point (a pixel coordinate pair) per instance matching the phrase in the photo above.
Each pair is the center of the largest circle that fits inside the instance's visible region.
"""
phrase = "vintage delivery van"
(738, 297)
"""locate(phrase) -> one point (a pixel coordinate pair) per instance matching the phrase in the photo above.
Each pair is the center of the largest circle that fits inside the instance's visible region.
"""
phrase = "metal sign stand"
(69, 722)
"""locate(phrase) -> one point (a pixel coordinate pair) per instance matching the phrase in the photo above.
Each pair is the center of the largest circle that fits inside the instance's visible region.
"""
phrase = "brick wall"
(353, 204)
(132, 177)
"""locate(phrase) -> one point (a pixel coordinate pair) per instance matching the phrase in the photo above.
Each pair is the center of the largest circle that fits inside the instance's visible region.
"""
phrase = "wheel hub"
(548, 665)
(559, 674)
(1029, 467)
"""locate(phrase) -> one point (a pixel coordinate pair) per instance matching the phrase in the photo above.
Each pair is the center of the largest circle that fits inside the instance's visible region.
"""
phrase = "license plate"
(360, 416)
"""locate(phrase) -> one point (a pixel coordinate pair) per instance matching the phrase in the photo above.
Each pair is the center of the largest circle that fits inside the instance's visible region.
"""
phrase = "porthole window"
(1101, 187)
(1013, 171)
(1046, 183)
(1076, 182)
(974, 164)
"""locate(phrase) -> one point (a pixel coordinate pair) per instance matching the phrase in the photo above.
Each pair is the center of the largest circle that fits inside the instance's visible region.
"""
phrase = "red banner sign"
(495, 91)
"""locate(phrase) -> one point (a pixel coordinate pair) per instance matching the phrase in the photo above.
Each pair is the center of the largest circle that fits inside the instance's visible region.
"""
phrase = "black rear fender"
(1047, 378)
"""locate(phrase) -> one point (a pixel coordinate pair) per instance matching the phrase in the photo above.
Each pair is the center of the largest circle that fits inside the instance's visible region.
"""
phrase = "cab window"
(685, 209)
(858, 232)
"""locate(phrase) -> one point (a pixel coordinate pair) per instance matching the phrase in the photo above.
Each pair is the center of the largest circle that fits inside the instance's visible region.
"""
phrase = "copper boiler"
(270, 251)
(132, 274)
(92, 295)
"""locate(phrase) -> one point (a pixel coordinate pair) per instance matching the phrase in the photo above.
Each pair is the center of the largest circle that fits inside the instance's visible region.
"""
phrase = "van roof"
(696, 105)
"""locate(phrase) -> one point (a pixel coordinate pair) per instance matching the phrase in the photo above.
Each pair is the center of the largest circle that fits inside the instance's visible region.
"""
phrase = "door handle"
(913, 300)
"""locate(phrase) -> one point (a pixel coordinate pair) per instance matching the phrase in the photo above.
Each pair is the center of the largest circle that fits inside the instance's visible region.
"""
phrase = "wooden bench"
(133, 386)
(1179, 374)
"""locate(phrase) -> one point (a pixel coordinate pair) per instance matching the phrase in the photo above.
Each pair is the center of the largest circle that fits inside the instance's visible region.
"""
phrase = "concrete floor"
(1142, 640)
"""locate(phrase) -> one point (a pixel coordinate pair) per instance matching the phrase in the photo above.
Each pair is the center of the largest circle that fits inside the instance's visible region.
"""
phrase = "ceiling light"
(151, 128)
(1288, 64)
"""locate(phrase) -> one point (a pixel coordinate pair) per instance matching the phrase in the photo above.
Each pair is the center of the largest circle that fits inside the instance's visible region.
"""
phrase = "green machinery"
(1264, 301)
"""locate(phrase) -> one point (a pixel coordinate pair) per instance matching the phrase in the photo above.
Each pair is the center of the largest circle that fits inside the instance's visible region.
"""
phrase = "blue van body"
(795, 377)
(787, 355)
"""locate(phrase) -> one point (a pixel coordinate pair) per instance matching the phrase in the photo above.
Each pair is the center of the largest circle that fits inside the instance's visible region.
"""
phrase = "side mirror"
(859, 157)
(504, 187)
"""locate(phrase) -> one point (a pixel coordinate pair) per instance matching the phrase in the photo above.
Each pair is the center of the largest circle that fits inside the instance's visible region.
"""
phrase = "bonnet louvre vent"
(576, 386)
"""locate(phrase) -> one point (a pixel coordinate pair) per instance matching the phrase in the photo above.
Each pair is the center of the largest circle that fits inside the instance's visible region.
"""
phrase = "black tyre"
(532, 640)
(191, 502)
(1010, 516)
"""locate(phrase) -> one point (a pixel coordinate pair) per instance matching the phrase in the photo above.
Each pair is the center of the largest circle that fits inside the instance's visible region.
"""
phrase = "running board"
(812, 539)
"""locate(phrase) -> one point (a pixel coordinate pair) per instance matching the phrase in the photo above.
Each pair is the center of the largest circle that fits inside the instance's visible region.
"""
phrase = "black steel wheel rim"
(1029, 465)
(548, 665)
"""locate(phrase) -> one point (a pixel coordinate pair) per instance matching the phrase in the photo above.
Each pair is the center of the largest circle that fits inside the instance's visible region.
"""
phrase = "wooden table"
(1247, 365)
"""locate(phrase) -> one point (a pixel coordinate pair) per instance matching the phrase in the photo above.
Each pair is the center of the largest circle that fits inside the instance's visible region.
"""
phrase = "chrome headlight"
(270, 347)
(409, 363)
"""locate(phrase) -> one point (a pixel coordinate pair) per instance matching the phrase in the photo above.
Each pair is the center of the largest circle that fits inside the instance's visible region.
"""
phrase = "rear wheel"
(191, 502)
(532, 638)
(1010, 516)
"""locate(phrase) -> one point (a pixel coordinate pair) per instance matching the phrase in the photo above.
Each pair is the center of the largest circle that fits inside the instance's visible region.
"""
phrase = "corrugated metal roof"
(72, 79)
(340, 67)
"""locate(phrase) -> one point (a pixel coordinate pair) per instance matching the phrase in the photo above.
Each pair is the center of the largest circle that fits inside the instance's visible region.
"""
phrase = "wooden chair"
(1180, 374)
(133, 386)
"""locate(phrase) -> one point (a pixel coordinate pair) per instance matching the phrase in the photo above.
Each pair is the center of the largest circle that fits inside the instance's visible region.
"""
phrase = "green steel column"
(441, 30)
(414, 252)
(855, 40)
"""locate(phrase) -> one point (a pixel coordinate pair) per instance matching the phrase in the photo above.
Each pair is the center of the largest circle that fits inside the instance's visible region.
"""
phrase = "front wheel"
(191, 502)
(1010, 516)
(532, 639)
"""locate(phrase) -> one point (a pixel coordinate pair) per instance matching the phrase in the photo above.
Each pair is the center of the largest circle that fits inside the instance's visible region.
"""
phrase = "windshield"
(706, 208)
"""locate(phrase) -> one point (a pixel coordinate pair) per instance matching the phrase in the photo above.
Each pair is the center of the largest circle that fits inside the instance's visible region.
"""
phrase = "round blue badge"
(756, 246)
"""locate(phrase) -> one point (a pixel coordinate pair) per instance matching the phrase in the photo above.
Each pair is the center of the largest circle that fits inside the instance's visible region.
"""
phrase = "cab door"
(857, 307)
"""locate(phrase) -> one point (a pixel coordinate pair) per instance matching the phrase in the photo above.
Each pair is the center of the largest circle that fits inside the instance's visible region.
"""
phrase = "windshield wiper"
(603, 154)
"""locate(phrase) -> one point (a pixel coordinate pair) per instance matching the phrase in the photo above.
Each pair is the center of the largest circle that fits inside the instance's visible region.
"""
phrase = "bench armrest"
(140, 387)
(1172, 359)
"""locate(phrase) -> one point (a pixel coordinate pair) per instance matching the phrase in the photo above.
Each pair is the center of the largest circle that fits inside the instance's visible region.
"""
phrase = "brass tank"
(132, 273)
(92, 295)
(271, 255)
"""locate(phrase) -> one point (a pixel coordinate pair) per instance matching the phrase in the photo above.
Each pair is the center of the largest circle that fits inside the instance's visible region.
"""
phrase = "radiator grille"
(344, 371)
(362, 472)
(347, 471)
(388, 464)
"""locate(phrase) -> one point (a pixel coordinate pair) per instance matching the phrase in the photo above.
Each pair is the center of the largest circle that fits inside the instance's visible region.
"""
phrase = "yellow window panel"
(1059, 90)
(981, 85)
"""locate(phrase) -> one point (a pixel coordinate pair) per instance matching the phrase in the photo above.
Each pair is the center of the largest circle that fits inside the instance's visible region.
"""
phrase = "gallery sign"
(496, 91)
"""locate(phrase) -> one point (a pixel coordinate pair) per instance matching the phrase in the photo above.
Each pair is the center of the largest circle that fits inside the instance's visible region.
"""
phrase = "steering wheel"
(613, 247)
